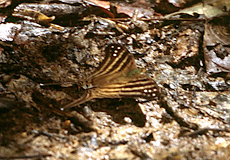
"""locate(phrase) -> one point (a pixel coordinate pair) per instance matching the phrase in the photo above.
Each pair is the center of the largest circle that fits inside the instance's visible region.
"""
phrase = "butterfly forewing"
(118, 62)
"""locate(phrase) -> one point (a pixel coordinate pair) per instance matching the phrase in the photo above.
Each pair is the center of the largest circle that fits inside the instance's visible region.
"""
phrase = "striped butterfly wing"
(141, 86)
(117, 77)
(118, 63)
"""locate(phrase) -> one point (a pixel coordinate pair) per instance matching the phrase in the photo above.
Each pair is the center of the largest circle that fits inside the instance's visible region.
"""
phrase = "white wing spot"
(118, 47)
(150, 90)
(114, 55)
(112, 46)
(153, 94)
(115, 51)
(145, 90)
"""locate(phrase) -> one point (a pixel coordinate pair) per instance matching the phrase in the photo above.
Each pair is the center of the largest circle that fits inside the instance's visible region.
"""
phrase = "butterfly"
(117, 77)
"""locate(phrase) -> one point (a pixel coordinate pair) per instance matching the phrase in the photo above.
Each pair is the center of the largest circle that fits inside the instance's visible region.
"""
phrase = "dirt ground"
(48, 48)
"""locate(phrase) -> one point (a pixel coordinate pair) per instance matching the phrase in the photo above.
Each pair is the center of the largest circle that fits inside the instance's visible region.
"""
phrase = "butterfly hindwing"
(141, 86)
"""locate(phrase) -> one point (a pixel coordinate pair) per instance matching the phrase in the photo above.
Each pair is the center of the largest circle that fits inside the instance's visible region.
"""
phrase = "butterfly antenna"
(57, 83)
(48, 84)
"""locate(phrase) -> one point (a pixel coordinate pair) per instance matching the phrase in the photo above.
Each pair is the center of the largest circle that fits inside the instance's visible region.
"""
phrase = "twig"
(25, 157)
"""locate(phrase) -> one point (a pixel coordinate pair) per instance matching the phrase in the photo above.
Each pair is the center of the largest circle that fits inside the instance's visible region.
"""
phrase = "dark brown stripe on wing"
(144, 87)
(109, 60)
(141, 87)
(84, 98)
(116, 61)
(124, 63)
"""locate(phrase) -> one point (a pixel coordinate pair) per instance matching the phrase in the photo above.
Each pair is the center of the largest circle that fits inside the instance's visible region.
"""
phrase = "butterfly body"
(117, 77)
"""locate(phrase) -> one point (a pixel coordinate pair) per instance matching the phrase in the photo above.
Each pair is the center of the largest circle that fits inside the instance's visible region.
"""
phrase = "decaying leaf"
(5, 3)
(138, 9)
(217, 45)
(34, 15)
(210, 9)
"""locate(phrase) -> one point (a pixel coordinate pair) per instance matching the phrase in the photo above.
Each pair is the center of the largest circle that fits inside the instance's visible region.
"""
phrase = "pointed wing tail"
(84, 98)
